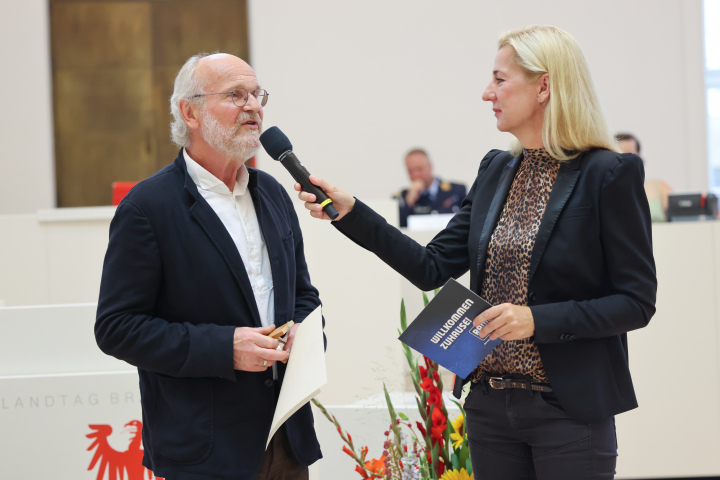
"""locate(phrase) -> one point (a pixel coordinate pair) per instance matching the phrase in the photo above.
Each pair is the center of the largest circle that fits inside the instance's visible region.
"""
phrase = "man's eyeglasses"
(240, 96)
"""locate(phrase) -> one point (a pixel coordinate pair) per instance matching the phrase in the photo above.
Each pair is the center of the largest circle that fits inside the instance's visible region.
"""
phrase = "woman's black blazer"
(592, 272)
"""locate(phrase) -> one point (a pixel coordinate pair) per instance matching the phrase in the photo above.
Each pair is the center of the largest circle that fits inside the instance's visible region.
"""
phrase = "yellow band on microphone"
(327, 201)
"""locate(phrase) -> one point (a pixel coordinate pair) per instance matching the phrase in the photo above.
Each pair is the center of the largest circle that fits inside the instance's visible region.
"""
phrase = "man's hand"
(289, 338)
(506, 321)
(254, 351)
(413, 193)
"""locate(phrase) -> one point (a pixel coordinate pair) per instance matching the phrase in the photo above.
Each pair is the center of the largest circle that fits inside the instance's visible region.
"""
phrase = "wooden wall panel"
(182, 28)
(114, 63)
(185, 27)
(92, 34)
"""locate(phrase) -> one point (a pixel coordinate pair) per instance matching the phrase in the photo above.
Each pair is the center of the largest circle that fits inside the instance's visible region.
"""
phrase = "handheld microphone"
(278, 146)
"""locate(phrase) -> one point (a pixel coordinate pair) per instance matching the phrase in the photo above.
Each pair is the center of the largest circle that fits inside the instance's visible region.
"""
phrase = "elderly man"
(427, 194)
(205, 258)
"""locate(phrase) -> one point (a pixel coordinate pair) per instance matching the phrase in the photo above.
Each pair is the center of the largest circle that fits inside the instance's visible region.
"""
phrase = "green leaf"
(402, 416)
(421, 409)
(464, 457)
(434, 456)
(462, 410)
(393, 417)
(455, 461)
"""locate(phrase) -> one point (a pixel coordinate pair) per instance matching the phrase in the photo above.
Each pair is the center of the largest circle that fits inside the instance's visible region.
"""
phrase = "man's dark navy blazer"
(174, 288)
(591, 277)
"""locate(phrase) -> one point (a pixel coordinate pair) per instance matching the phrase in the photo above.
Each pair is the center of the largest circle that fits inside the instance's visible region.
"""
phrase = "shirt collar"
(207, 181)
(433, 188)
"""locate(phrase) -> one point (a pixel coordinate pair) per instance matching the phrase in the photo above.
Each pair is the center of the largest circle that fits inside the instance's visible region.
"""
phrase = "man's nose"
(252, 104)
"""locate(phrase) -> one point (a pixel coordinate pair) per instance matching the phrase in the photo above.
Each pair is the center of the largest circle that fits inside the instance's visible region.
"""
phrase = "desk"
(56, 258)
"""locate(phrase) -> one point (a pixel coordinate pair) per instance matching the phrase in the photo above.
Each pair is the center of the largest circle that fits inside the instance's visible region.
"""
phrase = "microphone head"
(275, 142)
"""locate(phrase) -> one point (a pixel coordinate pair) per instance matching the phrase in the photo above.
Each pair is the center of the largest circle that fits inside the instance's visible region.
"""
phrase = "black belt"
(500, 383)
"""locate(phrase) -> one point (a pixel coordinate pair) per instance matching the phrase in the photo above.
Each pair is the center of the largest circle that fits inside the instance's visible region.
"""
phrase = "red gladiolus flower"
(348, 451)
(421, 427)
(373, 466)
(376, 465)
(437, 432)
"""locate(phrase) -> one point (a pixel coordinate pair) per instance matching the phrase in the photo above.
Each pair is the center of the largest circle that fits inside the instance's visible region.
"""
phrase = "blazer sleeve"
(626, 239)
(126, 326)
(426, 267)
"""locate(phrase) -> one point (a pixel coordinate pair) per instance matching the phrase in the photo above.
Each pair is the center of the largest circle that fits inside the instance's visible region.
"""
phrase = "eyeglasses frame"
(266, 96)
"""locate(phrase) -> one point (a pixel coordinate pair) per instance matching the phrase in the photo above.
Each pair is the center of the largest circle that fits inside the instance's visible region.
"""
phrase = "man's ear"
(543, 84)
(190, 113)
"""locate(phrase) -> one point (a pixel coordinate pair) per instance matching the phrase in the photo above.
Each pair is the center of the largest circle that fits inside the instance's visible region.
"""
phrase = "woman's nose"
(487, 94)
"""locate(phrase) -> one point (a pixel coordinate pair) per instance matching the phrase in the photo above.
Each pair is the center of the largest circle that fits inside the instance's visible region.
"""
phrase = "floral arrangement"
(433, 449)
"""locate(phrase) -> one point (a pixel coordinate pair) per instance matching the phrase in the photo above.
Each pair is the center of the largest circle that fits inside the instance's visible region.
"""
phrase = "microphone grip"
(301, 175)
(331, 211)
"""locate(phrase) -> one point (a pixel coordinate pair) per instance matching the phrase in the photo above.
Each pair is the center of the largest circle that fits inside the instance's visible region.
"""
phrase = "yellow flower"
(457, 475)
(458, 435)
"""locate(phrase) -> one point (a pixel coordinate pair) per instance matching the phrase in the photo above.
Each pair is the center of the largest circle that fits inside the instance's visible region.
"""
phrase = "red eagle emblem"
(125, 465)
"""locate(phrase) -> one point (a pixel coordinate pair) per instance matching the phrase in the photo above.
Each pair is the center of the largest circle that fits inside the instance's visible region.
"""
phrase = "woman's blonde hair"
(574, 121)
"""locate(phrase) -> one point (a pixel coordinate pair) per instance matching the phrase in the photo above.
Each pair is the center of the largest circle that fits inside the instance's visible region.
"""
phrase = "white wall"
(354, 85)
(27, 158)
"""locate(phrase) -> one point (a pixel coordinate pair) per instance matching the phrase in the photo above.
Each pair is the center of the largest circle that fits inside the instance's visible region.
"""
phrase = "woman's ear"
(543, 85)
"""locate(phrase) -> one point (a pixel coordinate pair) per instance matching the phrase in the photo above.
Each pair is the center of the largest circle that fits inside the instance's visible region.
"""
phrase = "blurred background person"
(657, 190)
(427, 193)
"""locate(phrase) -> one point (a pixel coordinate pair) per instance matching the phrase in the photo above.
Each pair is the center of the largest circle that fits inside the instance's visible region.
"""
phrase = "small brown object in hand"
(281, 331)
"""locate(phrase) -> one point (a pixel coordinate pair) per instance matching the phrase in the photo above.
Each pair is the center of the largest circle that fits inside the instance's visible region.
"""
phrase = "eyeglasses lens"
(240, 97)
(262, 97)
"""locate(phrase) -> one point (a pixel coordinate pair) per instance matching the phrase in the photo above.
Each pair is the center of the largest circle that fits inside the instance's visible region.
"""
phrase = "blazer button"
(268, 383)
(532, 296)
(571, 337)
(563, 336)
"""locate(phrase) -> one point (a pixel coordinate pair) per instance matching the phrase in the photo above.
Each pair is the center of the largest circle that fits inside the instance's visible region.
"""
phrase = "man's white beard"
(228, 140)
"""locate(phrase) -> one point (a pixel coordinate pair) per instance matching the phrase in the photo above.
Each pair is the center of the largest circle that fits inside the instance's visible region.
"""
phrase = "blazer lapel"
(273, 236)
(218, 235)
(504, 183)
(564, 184)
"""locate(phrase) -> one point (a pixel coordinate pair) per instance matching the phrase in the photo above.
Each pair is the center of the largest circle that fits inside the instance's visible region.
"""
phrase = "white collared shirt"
(433, 188)
(237, 212)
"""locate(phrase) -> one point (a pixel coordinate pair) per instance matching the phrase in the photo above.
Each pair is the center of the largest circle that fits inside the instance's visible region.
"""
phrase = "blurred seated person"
(427, 194)
(657, 190)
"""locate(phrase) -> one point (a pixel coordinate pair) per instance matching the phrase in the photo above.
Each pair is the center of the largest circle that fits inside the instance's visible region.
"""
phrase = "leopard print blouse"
(508, 261)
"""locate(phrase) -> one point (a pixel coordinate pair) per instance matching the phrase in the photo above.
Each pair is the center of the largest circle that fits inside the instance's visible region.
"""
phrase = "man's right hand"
(254, 351)
(413, 193)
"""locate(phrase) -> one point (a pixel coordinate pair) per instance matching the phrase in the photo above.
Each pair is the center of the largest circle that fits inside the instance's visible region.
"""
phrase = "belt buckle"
(496, 382)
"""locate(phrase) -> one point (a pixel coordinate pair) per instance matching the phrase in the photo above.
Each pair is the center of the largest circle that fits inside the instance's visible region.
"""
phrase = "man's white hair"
(187, 84)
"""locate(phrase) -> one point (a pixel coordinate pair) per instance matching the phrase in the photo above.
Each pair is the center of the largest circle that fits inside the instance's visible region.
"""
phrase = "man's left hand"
(289, 338)
(506, 321)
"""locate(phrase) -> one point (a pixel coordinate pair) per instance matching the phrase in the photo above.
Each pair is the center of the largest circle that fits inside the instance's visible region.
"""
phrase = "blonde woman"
(556, 234)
